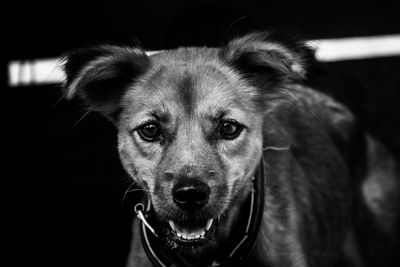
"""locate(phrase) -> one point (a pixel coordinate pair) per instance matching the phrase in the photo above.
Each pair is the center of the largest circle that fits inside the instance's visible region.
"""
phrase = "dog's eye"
(149, 132)
(229, 130)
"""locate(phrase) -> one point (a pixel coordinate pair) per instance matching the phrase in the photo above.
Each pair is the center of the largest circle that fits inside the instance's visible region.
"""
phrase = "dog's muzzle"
(190, 195)
(193, 195)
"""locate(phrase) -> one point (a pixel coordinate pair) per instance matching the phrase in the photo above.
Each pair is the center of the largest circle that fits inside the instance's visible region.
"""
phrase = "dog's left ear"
(269, 58)
(101, 75)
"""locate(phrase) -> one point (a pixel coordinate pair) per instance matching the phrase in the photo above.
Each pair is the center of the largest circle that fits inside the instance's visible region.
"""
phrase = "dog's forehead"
(189, 81)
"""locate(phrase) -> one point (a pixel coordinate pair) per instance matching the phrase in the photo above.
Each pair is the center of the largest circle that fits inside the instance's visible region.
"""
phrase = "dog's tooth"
(197, 236)
(179, 234)
(209, 223)
(202, 234)
(172, 225)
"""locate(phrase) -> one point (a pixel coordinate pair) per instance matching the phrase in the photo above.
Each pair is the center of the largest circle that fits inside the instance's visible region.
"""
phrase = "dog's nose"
(191, 194)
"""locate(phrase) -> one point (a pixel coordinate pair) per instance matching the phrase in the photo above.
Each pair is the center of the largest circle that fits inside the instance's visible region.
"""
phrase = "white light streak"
(48, 71)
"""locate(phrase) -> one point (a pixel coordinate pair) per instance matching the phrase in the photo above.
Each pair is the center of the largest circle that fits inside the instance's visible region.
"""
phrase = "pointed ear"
(267, 59)
(101, 75)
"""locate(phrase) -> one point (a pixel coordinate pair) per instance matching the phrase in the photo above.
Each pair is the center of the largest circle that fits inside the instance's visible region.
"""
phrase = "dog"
(241, 161)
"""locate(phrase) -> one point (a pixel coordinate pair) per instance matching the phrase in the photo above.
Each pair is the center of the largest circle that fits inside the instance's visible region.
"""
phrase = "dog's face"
(190, 124)
(190, 134)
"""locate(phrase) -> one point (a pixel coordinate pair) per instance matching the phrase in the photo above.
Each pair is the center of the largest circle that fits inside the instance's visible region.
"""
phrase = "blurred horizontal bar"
(35, 72)
(356, 48)
(49, 71)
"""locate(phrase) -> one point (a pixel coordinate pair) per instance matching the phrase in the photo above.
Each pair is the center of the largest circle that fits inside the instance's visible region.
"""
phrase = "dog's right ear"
(101, 75)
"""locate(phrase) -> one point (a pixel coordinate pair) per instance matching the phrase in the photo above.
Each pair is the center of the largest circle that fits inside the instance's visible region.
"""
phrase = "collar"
(240, 252)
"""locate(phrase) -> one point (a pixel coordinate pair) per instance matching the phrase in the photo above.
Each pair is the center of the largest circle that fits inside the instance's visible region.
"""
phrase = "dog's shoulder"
(307, 111)
(335, 117)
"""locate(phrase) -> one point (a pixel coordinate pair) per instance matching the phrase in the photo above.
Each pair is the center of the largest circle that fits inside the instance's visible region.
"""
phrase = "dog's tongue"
(188, 230)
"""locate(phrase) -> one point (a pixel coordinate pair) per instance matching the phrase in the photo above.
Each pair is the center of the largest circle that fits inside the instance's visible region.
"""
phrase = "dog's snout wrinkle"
(189, 172)
(169, 175)
(191, 194)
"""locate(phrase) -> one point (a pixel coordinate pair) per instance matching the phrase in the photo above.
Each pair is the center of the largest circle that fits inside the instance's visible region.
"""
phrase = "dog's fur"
(313, 149)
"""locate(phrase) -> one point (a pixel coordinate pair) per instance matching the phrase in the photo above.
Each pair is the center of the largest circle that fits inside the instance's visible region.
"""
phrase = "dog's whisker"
(130, 190)
(276, 148)
(137, 190)
(81, 118)
(122, 180)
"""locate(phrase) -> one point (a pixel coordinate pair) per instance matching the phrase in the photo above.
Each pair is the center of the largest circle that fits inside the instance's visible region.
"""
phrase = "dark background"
(64, 183)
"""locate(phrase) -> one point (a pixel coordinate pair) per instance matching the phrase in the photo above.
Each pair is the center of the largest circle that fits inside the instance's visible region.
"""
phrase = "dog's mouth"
(191, 233)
